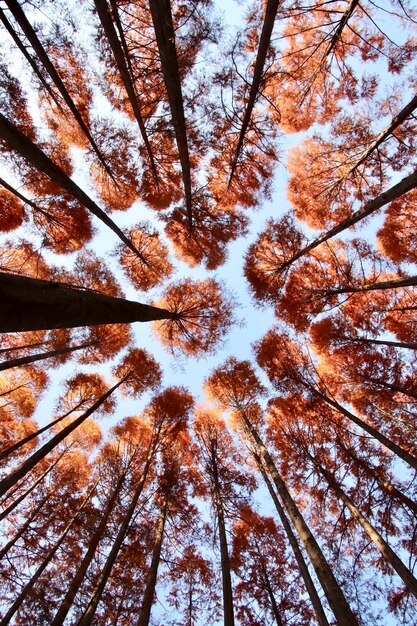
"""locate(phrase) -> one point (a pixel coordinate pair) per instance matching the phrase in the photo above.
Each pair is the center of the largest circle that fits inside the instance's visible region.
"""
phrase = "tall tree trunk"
(125, 71)
(33, 304)
(302, 565)
(337, 601)
(228, 614)
(267, 582)
(89, 611)
(396, 191)
(382, 342)
(20, 498)
(38, 573)
(264, 41)
(392, 387)
(95, 539)
(165, 38)
(32, 37)
(19, 444)
(36, 157)
(395, 283)
(386, 551)
(25, 360)
(40, 454)
(25, 526)
(395, 448)
(148, 596)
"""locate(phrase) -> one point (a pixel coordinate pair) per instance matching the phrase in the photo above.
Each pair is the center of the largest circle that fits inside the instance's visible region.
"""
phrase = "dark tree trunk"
(165, 38)
(25, 360)
(33, 304)
(264, 41)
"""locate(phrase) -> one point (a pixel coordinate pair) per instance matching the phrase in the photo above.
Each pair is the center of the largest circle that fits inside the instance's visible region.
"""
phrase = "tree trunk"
(386, 551)
(20, 498)
(331, 587)
(396, 191)
(392, 387)
(88, 614)
(51, 553)
(122, 62)
(19, 444)
(40, 454)
(95, 539)
(382, 342)
(395, 283)
(148, 596)
(267, 582)
(302, 565)
(228, 614)
(32, 37)
(395, 448)
(33, 304)
(36, 157)
(264, 41)
(24, 360)
(165, 38)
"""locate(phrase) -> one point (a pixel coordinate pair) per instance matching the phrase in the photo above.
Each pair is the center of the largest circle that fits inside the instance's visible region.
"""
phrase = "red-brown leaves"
(140, 370)
(203, 315)
(235, 385)
(11, 211)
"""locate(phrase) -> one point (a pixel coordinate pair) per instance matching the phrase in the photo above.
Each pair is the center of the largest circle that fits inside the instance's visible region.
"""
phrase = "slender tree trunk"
(340, 27)
(385, 485)
(19, 444)
(382, 342)
(392, 387)
(386, 551)
(25, 360)
(396, 191)
(337, 601)
(302, 565)
(40, 454)
(25, 526)
(20, 498)
(95, 539)
(267, 582)
(123, 65)
(165, 38)
(395, 283)
(33, 304)
(50, 555)
(395, 448)
(148, 596)
(89, 611)
(32, 37)
(36, 157)
(228, 614)
(264, 41)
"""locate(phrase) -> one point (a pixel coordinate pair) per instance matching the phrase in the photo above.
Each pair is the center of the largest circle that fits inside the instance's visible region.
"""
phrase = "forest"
(208, 297)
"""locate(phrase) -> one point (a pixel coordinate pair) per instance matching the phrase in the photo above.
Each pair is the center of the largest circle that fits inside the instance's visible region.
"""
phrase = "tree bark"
(395, 283)
(337, 601)
(40, 454)
(228, 614)
(148, 596)
(33, 304)
(25, 360)
(165, 38)
(36, 157)
(302, 565)
(264, 41)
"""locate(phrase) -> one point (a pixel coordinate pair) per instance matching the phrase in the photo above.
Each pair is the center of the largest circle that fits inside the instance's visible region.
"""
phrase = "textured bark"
(165, 38)
(148, 596)
(33, 304)
(36, 157)
(264, 41)
(122, 62)
(40, 454)
(51, 553)
(337, 601)
(32, 37)
(302, 565)
(228, 614)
